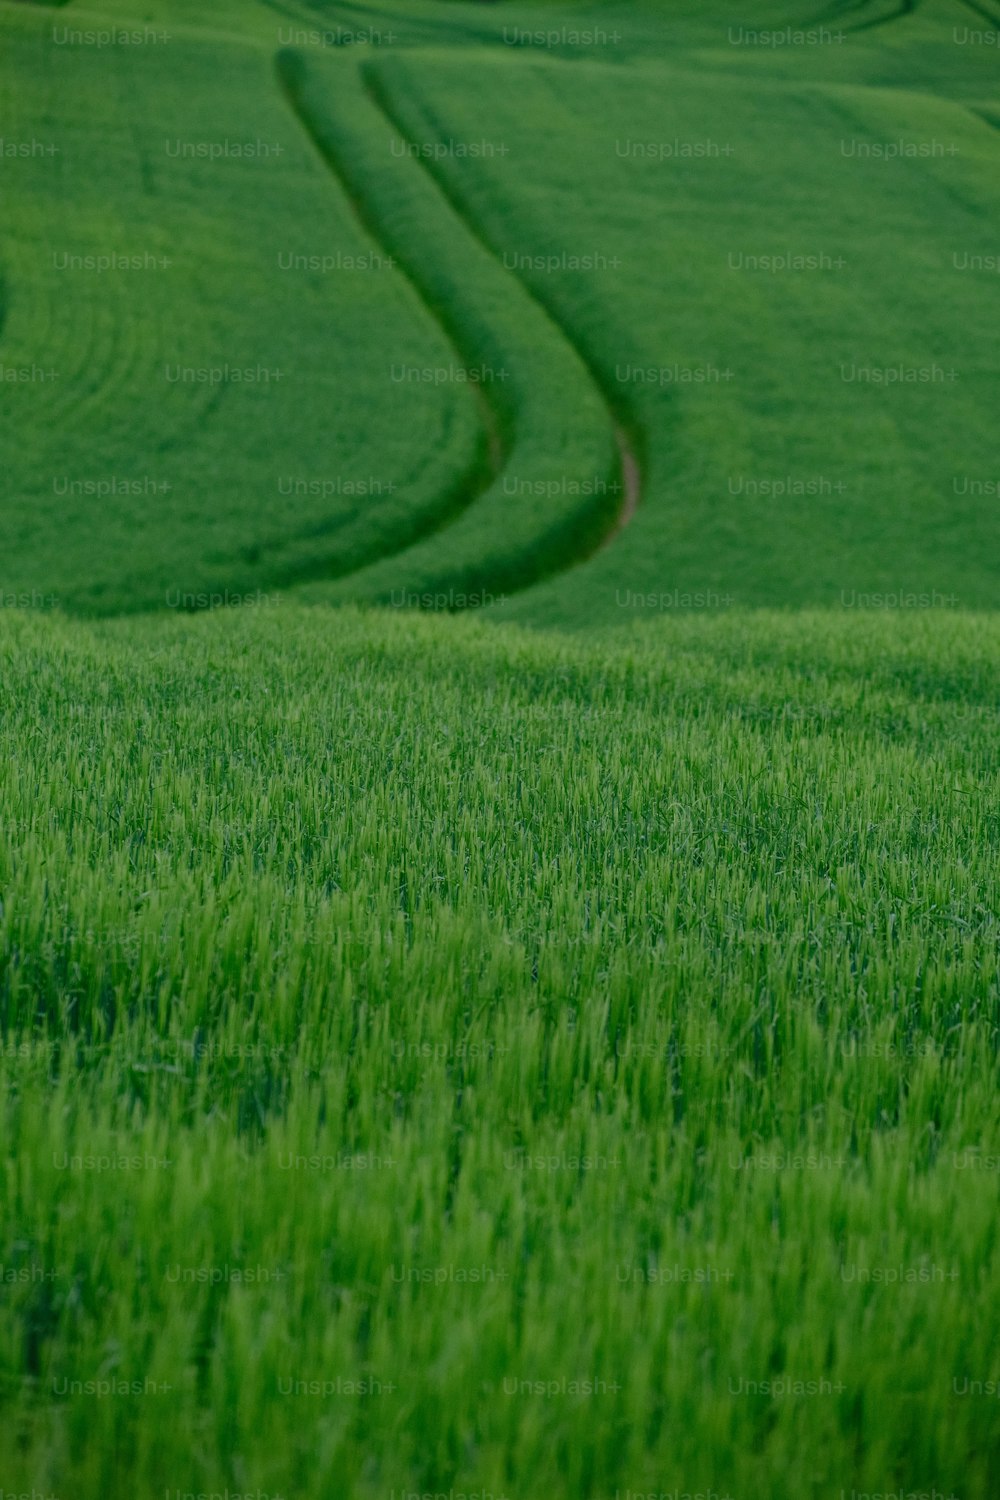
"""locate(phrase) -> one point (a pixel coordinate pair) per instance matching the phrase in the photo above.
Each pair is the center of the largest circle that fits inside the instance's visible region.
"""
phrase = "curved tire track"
(631, 467)
(289, 67)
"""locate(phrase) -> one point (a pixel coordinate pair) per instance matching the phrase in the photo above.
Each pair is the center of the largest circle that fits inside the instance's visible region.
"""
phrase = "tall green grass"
(514, 1011)
(445, 1059)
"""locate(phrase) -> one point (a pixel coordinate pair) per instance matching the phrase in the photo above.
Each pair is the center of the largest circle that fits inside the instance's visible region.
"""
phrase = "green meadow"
(499, 777)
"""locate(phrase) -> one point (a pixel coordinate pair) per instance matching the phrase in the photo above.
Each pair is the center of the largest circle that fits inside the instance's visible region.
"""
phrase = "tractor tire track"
(629, 469)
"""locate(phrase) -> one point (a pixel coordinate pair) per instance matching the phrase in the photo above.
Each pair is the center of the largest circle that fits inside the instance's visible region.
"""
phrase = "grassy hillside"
(782, 320)
(478, 243)
(513, 1012)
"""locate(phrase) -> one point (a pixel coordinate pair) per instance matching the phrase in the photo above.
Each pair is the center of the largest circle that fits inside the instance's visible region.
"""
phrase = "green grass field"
(509, 1006)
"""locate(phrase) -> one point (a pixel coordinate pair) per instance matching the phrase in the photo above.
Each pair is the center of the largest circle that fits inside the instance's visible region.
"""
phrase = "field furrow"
(560, 489)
